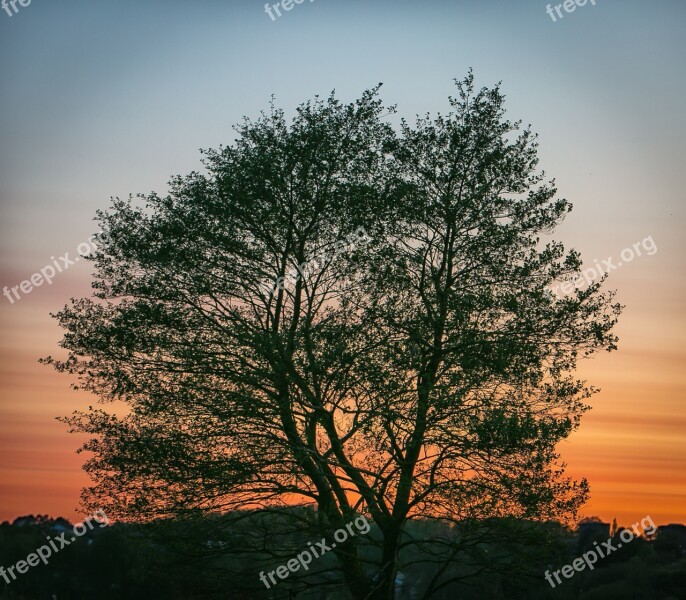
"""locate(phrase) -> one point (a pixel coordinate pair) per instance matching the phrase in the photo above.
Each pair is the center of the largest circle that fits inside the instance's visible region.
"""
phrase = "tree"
(420, 368)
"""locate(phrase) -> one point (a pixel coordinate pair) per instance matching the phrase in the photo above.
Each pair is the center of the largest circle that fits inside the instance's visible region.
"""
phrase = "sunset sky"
(105, 98)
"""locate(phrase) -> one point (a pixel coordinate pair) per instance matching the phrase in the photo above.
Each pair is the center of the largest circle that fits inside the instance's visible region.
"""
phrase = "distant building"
(592, 529)
(675, 533)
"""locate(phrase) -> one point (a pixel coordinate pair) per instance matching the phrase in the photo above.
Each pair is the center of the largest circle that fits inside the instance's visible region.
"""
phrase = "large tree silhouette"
(420, 367)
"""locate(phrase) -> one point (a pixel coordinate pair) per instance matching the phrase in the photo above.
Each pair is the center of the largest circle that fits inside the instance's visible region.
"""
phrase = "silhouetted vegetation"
(428, 372)
(205, 557)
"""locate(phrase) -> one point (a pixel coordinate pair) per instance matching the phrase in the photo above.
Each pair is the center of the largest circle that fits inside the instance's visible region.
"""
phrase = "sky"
(101, 99)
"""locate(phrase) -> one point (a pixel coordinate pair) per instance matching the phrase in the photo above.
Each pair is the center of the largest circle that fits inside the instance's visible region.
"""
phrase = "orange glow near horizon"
(630, 446)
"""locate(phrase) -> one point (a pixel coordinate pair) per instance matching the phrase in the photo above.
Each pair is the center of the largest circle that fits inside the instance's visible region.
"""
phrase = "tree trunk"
(384, 582)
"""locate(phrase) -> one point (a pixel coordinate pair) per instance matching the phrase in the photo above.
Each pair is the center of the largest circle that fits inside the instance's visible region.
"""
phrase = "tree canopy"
(342, 313)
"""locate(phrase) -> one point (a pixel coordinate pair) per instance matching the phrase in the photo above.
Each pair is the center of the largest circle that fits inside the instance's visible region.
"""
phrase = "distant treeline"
(222, 556)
